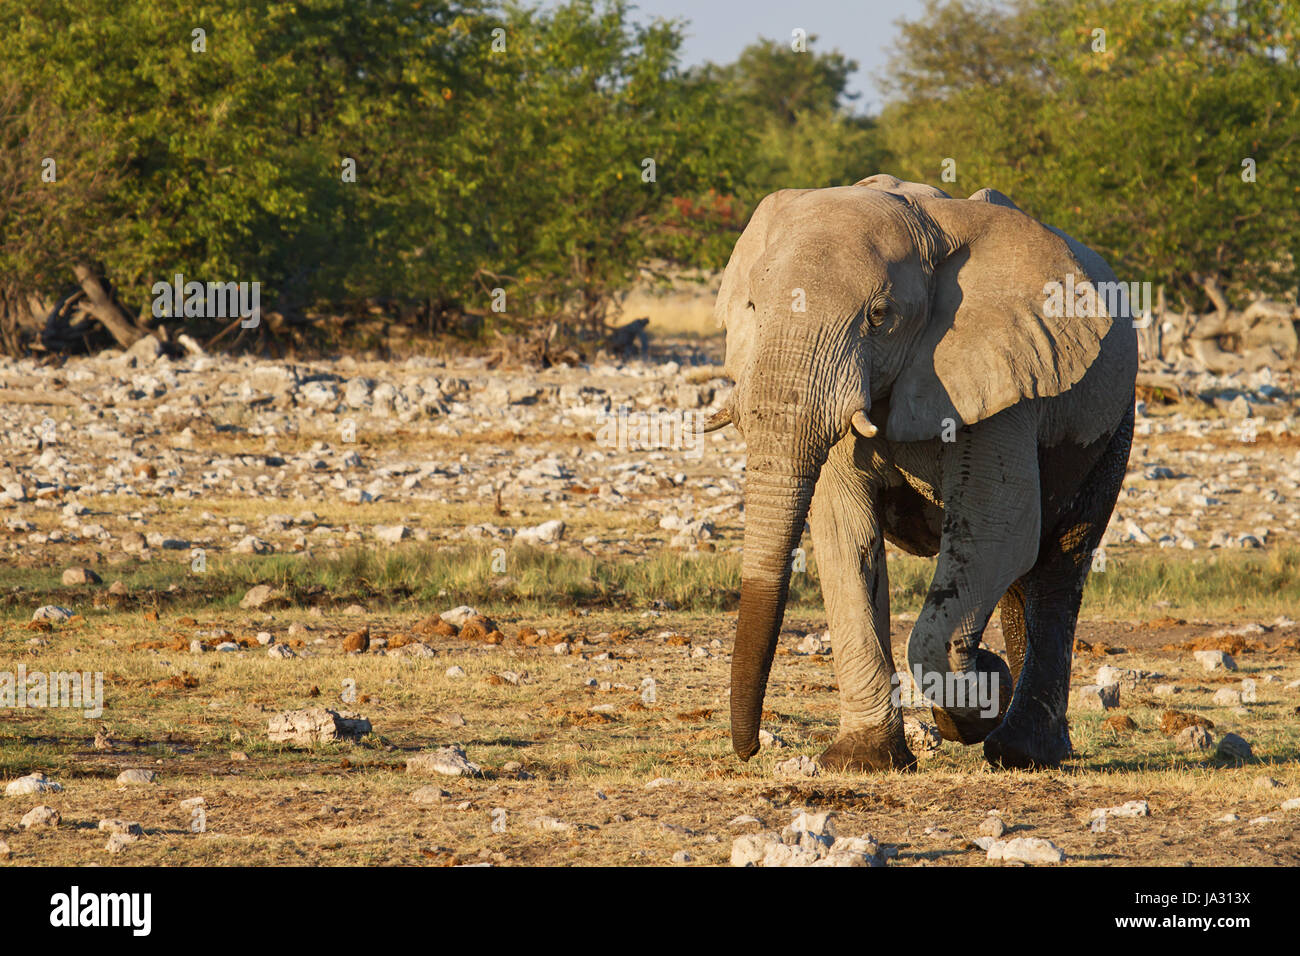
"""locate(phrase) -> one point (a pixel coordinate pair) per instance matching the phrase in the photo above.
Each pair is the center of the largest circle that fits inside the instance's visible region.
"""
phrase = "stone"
(252, 544)
(392, 534)
(136, 776)
(681, 856)
(121, 826)
(261, 595)
(118, 842)
(1097, 698)
(1133, 808)
(197, 646)
(1227, 697)
(1249, 691)
(457, 616)
(1194, 739)
(1266, 783)
(658, 782)
(800, 766)
(51, 612)
(1215, 660)
(265, 638)
(429, 796)
(812, 644)
(448, 761)
(357, 642)
(280, 651)
(1026, 850)
(316, 725)
(38, 817)
(749, 850)
(1292, 804)
(853, 851)
(548, 532)
(5, 852)
(1234, 749)
(992, 826)
(770, 741)
(455, 671)
(32, 783)
(73, 577)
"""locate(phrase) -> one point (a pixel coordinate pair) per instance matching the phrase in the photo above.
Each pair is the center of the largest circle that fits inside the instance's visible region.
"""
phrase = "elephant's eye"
(877, 315)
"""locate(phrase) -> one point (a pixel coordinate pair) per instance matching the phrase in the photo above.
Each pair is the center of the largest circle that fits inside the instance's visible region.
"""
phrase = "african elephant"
(928, 393)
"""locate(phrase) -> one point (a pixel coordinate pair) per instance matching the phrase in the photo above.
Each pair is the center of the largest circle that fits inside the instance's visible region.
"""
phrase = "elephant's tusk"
(862, 425)
(719, 419)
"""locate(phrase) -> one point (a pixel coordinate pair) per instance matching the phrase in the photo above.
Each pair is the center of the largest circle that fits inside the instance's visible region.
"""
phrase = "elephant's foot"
(991, 697)
(865, 750)
(1018, 746)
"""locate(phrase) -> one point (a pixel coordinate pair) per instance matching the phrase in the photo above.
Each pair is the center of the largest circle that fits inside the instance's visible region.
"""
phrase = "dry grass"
(350, 803)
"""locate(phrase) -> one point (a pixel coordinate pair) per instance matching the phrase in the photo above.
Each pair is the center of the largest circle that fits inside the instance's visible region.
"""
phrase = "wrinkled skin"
(925, 395)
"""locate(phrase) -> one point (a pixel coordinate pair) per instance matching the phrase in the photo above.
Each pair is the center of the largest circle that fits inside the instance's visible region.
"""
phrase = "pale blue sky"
(862, 30)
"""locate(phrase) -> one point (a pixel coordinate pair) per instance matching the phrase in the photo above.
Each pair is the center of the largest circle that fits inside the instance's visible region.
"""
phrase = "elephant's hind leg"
(1035, 732)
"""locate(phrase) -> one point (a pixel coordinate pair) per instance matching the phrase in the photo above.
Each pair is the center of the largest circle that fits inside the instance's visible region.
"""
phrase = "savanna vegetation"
(455, 163)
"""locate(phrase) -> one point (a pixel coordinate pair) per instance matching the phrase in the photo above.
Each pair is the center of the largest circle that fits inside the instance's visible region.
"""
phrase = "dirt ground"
(576, 784)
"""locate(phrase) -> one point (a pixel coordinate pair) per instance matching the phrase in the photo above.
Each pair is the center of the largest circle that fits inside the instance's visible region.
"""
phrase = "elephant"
(901, 374)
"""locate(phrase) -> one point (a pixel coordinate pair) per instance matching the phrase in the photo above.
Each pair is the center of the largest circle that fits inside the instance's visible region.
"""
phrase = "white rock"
(457, 616)
(749, 850)
(429, 796)
(449, 761)
(280, 651)
(1249, 691)
(32, 783)
(1093, 697)
(800, 766)
(548, 532)
(136, 776)
(38, 817)
(121, 826)
(1026, 850)
(1134, 808)
(1227, 697)
(658, 782)
(455, 670)
(51, 612)
(1215, 660)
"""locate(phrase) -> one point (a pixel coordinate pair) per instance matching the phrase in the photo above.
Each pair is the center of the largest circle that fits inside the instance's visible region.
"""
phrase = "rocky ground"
(129, 448)
(370, 724)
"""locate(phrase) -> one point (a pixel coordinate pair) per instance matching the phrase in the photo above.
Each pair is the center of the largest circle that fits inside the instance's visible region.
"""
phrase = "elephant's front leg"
(990, 538)
(855, 585)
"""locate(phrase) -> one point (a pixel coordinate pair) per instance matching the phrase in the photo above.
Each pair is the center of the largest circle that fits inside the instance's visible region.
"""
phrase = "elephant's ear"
(732, 308)
(996, 333)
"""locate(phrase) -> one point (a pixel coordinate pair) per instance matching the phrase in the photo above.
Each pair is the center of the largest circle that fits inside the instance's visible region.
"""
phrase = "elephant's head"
(883, 307)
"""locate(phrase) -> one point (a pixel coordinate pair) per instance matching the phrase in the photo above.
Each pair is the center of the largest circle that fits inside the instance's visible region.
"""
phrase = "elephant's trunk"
(776, 506)
(804, 385)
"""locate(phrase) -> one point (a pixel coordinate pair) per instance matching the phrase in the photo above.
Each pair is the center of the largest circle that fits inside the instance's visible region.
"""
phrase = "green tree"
(1134, 141)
